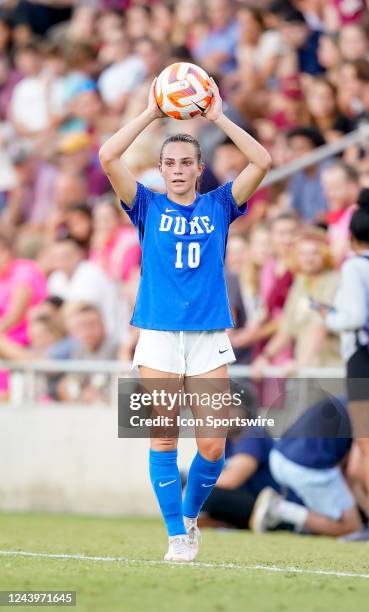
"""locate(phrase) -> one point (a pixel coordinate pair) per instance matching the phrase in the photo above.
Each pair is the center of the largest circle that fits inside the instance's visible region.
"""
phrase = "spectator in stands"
(35, 190)
(301, 44)
(123, 73)
(239, 314)
(259, 252)
(70, 190)
(79, 224)
(353, 92)
(75, 279)
(163, 22)
(341, 12)
(227, 163)
(308, 459)
(353, 42)
(80, 27)
(52, 308)
(152, 56)
(44, 334)
(77, 155)
(138, 22)
(341, 187)
(5, 34)
(316, 281)
(49, 307)
(287, 108)
(217, 51)
(247, 260)
(329, 56)
(8, 80)
(322, 104)
(22, 285)
(276, 278)
(92, 343)
(237, 254)
(82, 67)
(114, 245)
(307, 196)
(36, 103)
(258, 49)
(110, 20)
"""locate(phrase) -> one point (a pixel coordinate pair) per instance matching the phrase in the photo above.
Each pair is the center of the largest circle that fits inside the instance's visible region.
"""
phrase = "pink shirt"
(119, 255)
(274, 291)
(21, 272)
(349, 11)
(338, 230)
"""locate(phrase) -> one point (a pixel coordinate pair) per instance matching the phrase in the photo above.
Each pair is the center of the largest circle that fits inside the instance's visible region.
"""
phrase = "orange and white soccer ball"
(182, 91)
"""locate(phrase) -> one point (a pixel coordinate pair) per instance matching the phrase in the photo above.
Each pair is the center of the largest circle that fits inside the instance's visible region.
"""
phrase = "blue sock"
(202, 477)
(166, 482)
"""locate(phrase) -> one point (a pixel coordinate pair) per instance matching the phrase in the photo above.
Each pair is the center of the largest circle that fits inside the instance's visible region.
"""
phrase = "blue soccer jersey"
(182, 285)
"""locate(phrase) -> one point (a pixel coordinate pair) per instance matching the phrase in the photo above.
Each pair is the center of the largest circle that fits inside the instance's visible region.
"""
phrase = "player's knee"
(163, 444)
(212, 450)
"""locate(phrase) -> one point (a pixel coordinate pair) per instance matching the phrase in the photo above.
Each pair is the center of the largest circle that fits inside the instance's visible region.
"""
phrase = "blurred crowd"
(293, 73)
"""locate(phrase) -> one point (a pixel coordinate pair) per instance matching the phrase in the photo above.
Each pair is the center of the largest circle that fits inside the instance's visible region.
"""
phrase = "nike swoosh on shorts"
(220, 352)
(209, 485)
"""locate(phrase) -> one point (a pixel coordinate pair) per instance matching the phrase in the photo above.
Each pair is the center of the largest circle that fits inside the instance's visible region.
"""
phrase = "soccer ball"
(182, 91)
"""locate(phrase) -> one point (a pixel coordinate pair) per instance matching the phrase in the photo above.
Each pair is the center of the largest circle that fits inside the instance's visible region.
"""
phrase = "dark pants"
(233, 506)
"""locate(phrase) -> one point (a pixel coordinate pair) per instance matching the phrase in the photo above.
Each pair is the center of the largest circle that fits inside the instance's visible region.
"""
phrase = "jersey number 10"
(193, 255)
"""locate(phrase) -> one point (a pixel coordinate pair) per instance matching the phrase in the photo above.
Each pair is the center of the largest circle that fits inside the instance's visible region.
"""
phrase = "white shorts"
(323, 491)
(183, 352)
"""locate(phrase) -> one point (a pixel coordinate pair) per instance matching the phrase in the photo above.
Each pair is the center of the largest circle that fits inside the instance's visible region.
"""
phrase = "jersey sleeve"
(224, 196)
(138, 211)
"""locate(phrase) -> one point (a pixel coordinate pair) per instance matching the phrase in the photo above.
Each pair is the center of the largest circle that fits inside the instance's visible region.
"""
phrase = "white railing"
(24, 375)
(358, 136)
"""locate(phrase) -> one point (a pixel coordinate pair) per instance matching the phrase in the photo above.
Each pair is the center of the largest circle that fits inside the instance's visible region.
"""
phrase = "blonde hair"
(319, 236)
(250, 275)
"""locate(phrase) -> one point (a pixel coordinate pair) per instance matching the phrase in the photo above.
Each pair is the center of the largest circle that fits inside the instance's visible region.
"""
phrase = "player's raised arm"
(259, 159)
(122, 180)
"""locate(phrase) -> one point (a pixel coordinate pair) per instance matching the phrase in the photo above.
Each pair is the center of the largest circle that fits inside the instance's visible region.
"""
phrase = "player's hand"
(152, 106)
(215, 110)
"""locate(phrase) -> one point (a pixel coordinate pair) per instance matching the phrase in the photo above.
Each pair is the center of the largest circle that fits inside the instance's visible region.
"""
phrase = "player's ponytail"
(184, 138)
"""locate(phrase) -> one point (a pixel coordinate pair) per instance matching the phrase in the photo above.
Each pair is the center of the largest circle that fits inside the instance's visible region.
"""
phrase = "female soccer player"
(182, 307)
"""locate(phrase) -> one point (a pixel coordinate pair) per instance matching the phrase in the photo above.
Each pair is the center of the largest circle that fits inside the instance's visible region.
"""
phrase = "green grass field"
(139, 581)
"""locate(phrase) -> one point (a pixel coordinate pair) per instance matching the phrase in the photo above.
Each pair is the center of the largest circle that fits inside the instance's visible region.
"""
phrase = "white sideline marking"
(128, 561)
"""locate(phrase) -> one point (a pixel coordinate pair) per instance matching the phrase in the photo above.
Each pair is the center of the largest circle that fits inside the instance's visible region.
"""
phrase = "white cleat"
(264, 514)
(179, 549)
(194, 535)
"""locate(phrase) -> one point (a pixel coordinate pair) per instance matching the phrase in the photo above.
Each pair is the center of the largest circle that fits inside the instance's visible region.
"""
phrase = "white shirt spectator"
(121, 78)
(90, 283)
(35, 101)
